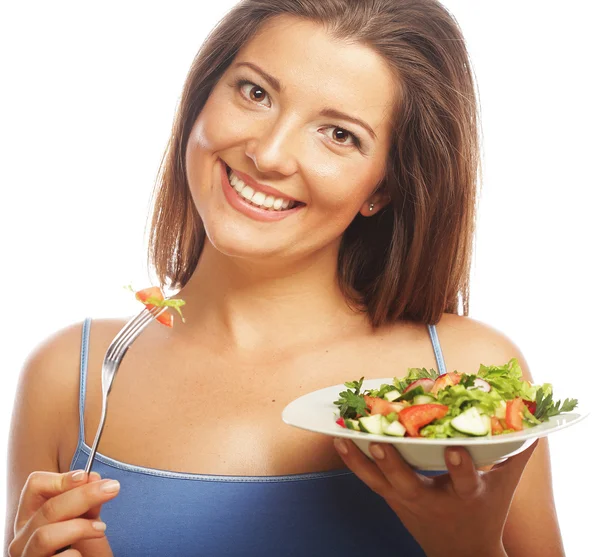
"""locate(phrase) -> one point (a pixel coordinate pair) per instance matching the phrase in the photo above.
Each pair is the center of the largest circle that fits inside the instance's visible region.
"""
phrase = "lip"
(246, 208)
(267, 190)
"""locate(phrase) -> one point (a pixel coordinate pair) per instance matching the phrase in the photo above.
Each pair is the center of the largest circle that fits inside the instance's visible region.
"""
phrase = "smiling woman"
(315, 211)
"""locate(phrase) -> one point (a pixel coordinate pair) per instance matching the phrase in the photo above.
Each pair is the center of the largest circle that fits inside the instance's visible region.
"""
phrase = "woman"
(316, 212)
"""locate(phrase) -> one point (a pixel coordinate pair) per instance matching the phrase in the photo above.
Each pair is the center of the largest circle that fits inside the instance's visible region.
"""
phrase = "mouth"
(257, 198)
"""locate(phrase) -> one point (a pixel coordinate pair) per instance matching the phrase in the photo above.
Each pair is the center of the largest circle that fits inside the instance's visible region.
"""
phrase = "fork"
(112, 360)
(110, 365)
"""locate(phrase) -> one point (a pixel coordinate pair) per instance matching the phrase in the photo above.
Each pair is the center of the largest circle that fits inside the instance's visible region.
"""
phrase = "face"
(292, 143)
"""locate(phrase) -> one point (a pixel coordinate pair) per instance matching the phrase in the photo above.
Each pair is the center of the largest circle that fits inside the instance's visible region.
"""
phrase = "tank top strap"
(83, 367)
(437, 349)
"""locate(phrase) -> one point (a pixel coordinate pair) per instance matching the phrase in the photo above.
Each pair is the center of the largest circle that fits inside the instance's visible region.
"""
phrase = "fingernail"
(454, 458)
(100, 526)
(78, 475)
(340, 445)
(377, 452)
(111, 487)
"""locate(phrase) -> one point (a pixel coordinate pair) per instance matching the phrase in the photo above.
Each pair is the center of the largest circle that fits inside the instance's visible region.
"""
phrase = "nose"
(273, 149)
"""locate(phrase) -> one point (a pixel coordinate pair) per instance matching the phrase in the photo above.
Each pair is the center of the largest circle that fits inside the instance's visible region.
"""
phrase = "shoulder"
(49, 381)
(54, 356)
(467, 343)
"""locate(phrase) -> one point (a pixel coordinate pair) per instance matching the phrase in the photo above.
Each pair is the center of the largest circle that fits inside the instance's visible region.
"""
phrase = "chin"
(231, 241)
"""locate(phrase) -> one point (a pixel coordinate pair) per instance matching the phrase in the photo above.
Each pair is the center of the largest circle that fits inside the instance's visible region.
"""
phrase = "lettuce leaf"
(508, 380)
(458, 398)
(413, 374)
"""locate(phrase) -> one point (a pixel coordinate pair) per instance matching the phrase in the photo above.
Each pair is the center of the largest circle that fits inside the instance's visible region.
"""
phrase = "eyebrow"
(328, 112)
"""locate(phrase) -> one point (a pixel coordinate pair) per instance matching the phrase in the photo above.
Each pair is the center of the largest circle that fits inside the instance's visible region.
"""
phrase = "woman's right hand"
(59, 510)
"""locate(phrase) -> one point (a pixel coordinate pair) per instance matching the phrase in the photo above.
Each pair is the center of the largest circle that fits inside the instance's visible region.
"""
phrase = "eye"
(254, 93)
(343, 137)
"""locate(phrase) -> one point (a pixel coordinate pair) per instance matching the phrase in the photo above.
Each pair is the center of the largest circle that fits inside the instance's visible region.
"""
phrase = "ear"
(374, 203)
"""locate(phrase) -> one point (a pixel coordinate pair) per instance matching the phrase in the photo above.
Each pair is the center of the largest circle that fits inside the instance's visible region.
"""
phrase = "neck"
(248, 304)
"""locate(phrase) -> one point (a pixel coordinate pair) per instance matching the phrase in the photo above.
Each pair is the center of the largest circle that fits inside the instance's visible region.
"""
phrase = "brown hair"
(412, 260)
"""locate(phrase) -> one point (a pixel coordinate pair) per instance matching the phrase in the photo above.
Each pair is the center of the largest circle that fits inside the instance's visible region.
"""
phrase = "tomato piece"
(340, 421)
(496, 426)
(443, 381)
(531, 405)
(415, 417)
(165, 318)
(378, 405)
(514, 414)
(152, 292)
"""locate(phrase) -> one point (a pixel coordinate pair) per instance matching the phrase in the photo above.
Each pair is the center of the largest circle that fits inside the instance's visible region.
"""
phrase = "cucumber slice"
(395, 429)
(471, 423)
(392, 396)
(372, 424)
(423, 399)
(352, 424)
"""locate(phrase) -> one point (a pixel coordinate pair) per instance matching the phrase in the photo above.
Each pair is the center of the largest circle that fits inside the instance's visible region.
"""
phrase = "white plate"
(316, 412)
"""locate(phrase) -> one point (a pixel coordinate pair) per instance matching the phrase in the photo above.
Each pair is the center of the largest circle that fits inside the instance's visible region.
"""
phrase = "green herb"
(351, 403)
(546, 407)
(467, 380)
(174, 303)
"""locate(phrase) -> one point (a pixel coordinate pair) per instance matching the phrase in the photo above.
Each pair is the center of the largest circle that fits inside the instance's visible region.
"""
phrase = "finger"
(407, 483)
(70, 553)
(72, 504)
(366, 470)
(464, 477)
(41, 486)
(95, 511)
(45, 541)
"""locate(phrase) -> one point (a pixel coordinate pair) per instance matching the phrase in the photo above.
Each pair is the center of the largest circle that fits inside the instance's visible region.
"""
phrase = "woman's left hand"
(461, 513)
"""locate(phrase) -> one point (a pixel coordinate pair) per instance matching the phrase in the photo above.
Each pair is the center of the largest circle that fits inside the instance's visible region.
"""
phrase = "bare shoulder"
(50, 377)
(47, 398)
(467, 343)
(53, 362)
(47, 373)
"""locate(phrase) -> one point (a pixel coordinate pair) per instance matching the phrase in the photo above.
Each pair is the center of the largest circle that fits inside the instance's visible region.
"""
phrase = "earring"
(371, 206)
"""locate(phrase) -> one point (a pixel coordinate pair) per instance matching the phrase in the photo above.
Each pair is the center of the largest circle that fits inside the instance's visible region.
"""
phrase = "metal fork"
(112, 360)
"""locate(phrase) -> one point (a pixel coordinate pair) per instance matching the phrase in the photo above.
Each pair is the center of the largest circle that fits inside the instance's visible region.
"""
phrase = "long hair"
(412, 260)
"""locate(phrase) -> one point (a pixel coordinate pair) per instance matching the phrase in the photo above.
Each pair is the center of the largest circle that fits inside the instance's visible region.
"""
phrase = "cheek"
(217, 126)
(343, 187)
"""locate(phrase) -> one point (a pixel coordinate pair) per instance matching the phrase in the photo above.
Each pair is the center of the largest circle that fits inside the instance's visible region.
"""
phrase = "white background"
(89, 92)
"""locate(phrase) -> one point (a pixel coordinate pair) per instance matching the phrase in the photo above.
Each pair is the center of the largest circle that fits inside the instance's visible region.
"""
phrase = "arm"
(531, 529)
(44, 408)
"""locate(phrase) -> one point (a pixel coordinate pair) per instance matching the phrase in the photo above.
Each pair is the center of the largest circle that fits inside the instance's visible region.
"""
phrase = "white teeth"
(257, 197)
(237, 183)
(247, 192)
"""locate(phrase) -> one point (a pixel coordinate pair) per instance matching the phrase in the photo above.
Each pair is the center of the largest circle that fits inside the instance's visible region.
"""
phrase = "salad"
(494, 401)
(153, 296)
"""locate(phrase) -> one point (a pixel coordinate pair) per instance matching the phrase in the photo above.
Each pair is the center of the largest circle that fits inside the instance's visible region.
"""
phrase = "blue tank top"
(160, 513)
